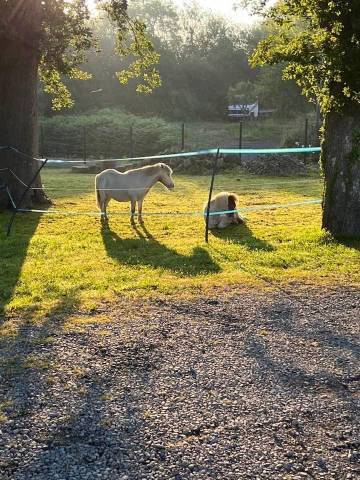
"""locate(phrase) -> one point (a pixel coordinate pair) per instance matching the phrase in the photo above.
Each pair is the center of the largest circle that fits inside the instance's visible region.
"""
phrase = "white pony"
(223, 202)
(131, 186)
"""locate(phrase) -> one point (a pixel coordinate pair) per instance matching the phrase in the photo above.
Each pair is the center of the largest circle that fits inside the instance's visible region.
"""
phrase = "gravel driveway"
(241, 384)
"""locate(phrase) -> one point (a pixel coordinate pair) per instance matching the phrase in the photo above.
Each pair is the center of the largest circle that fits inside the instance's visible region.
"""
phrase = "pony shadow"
(146, 250)
(242, 235)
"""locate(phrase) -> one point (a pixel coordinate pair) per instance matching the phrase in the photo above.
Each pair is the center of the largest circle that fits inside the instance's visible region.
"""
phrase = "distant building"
(247, 111)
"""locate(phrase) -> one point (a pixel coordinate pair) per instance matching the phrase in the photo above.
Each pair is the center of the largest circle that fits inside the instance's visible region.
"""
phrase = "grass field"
(53, 262)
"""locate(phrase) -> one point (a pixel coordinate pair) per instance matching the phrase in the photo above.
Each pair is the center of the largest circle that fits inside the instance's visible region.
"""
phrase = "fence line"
(210, 151)
(192, 214)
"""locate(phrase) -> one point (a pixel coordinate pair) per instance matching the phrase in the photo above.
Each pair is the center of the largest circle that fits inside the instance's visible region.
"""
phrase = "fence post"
(210, 194)
(240, 138)
(306, 136)
(84, 145)
(182, 136)
(131, 142)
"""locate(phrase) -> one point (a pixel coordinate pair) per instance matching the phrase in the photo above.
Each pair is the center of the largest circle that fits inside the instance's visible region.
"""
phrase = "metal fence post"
(306, 136)
(182, 136)
(131, 142)
(210, 194)
(84, 145)
(240, 138)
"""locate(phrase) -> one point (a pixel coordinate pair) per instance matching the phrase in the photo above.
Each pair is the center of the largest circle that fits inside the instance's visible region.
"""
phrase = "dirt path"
(242, 385)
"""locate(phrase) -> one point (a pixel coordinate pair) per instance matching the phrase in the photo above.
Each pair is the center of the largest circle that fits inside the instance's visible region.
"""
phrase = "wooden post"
(182, 136)
(84, 145)
(131, 142)
(240, 138)
(210, 194)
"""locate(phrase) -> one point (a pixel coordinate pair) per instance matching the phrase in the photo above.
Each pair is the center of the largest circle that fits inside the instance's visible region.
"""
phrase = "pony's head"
(165, 176)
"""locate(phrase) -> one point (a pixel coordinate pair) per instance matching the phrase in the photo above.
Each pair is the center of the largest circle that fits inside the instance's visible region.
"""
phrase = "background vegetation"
(203, 58)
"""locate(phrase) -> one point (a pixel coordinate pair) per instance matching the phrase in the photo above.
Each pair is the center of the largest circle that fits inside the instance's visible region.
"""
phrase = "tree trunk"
(19, 62)
(341, 164)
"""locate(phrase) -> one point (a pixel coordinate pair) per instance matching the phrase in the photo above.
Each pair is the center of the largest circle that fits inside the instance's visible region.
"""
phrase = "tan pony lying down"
(223, 202)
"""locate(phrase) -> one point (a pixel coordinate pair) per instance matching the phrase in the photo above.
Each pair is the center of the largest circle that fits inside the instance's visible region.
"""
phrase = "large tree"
(320, 40)
(48, 40)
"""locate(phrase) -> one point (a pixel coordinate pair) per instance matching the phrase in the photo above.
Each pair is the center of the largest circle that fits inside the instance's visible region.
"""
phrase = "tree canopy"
(320, 41)
(62, 33)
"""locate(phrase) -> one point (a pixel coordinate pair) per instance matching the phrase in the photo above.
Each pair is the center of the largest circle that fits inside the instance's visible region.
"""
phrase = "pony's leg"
(238, 219)
(133, 206)
(140, 204)
(103, 204)
(224, 221)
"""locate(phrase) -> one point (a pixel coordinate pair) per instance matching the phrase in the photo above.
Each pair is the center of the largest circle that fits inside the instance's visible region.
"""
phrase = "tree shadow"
(90, 405)
(316, 335)
(13, 253)
(147, 251)
(353, 243)
(29, 385)
(242, 235)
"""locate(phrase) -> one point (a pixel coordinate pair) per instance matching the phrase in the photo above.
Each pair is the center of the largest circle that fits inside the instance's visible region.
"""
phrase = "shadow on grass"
(13, 251)
(242, 235)
(148, 251)
(353, 243)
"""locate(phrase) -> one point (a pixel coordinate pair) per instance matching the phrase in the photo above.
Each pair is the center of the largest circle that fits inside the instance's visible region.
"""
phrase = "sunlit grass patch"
(53, 263)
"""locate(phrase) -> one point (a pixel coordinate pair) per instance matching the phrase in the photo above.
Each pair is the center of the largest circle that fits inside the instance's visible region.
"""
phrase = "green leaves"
(320, 41)
(64, 35)
(132, 41)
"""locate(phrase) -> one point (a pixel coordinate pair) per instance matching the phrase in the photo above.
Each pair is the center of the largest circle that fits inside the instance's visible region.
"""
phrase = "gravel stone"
(248, 384)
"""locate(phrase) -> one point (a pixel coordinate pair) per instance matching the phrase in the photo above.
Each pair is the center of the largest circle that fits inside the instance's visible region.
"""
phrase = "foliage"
(61, 32)
(320, 40)
(284, 96)
(78, 263)
(201, 55)
(107, 134)
(242, 92)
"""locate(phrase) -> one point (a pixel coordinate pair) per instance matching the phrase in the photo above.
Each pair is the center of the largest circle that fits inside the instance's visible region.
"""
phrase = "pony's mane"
(151, 169)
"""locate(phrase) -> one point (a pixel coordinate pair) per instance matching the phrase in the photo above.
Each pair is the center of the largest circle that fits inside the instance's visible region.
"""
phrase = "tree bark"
(19, 62)
(341, 165)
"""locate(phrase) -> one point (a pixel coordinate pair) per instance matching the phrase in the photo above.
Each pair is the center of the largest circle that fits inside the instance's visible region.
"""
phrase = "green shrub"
(107, 135)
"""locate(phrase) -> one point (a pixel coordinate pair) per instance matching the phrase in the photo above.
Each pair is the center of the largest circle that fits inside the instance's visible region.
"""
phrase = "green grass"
(53, 263)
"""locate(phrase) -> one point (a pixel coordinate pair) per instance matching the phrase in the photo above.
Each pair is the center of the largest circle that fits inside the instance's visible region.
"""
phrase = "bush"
(107, 135)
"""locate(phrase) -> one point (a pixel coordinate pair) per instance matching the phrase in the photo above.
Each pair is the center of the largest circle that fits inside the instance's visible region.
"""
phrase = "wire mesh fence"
(61, 140)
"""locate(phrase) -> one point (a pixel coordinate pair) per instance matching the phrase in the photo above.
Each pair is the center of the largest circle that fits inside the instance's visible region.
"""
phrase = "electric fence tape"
(209, 151)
